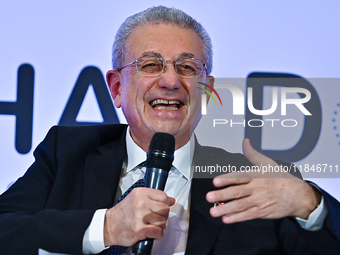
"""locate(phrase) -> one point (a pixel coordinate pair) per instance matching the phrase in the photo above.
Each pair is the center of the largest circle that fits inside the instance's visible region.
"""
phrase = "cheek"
(132, 102)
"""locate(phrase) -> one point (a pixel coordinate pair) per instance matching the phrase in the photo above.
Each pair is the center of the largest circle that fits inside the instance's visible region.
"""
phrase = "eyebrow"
(186, 55)
(151, 54)
(158, 55)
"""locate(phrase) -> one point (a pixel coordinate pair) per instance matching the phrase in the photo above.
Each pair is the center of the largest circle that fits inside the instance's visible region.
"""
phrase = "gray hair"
(158, 15)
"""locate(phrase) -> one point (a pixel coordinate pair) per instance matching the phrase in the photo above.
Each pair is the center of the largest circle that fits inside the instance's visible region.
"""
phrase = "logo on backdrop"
(22, 108)
(204, 97)
(251, 107)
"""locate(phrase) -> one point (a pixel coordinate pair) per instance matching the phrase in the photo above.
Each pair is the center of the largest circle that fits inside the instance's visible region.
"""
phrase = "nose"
(169, 79)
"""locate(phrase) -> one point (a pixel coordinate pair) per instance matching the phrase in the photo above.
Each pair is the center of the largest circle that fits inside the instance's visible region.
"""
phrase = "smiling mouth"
(168, 105)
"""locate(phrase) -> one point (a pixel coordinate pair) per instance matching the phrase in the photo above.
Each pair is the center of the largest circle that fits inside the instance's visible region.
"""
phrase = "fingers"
(230, 193)
(160, 196)
(241, 216)
(155, 220)
(235, 178)
(141, 214)
(260, 194)
(151, 231)
(264, 198)
(256, 205)
(233, 208)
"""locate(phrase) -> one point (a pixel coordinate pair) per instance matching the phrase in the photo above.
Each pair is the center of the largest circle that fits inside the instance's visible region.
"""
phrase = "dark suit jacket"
(76, 172)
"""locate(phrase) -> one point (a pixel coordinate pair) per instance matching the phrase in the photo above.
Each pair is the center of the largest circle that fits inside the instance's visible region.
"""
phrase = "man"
(66, 202)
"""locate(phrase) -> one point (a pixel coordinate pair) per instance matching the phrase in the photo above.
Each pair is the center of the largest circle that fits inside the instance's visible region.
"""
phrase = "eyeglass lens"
(152, 66)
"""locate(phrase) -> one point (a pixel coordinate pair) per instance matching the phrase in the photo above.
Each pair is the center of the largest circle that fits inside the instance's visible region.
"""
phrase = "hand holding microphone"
(158, 164)
(143, 213)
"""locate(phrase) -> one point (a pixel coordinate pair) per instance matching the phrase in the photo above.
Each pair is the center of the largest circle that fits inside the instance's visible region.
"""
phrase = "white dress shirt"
(177, 186)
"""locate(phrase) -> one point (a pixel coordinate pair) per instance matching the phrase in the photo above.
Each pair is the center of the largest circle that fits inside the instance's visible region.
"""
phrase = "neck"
(144, 140)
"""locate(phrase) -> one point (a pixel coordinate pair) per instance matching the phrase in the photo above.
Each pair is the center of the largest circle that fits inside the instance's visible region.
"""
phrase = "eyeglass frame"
(164, 66)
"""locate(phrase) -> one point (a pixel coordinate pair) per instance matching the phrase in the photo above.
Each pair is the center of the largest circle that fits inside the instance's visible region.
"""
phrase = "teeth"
(166, 108)
(163, 101)
(158, 104)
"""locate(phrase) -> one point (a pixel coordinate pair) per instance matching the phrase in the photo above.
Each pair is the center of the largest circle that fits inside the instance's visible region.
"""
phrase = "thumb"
(171, 201)
(255, 157)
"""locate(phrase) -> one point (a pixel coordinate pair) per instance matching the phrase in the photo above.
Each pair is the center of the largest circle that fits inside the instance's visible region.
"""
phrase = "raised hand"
(258, 195)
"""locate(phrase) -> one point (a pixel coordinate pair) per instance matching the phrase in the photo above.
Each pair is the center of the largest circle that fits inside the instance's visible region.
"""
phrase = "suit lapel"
(203, 229)
(102, 173)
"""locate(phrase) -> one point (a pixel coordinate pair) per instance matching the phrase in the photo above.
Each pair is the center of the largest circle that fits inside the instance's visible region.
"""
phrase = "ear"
(115, 87)
(210, 80)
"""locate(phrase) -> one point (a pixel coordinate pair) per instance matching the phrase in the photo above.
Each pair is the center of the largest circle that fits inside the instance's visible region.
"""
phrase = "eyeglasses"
(154, 66)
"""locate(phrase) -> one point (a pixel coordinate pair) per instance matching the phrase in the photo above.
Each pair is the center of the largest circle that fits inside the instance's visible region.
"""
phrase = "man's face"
(159, 103)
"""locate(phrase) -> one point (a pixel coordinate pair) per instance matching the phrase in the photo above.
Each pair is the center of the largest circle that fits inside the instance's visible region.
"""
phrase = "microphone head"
(161, 151)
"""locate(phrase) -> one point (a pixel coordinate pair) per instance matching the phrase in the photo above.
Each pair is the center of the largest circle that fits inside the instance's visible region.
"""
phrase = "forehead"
(168, 40)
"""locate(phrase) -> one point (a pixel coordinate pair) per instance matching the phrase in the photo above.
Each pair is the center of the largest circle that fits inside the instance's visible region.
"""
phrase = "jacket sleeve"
(327, 239)
(332, 222)
(27, 223)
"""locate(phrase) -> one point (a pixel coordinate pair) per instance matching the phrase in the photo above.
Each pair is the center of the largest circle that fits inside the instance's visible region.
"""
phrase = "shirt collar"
(182, 157)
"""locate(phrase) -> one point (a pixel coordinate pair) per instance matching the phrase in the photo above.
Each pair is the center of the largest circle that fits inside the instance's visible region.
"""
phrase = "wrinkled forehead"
(165, 40)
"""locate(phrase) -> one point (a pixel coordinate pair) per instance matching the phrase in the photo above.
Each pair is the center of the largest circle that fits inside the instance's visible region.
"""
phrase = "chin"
(166, 129)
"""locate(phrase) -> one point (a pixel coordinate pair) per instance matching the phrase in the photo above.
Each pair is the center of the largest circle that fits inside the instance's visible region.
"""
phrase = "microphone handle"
(143, 247)
(155, 179)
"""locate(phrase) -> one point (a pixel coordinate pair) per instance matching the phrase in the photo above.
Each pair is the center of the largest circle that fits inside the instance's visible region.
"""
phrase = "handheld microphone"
(158, 164)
